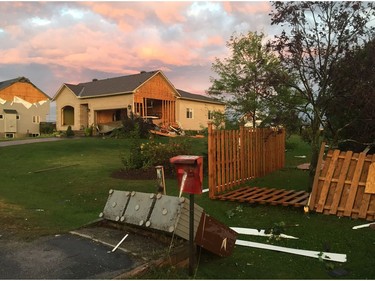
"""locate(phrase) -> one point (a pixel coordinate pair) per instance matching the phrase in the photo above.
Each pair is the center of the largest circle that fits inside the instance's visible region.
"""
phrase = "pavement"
(65, 256)
(26, 141)
(84, 253)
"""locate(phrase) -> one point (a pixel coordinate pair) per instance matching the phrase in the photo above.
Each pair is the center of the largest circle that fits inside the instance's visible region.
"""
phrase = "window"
(18, 117)
(1, 116)
(67, 115)
(36, 119)
(210, 115)
(189, 113)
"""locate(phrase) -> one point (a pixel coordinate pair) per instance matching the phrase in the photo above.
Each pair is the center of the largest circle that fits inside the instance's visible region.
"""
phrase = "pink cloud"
(247, 7)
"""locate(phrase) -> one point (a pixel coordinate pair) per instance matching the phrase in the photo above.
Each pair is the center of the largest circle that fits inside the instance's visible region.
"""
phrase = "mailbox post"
(189, 171)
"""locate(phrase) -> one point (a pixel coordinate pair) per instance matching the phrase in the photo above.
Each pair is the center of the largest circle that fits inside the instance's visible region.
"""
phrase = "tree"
(316, 35)
(243, 79)
(351, 115)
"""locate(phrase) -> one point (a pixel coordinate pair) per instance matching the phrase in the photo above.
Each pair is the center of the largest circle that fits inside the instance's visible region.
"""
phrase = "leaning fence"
(236, 156)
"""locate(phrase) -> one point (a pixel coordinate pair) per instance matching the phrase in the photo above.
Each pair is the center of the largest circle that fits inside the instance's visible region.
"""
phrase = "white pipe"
(306, 253)
(252, 231)
(119, 243)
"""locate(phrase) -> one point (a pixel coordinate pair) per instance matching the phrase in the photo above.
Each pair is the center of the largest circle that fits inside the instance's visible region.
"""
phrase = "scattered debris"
(363, 225)
(108, 127)
(119, 243)
(306, 253)
(304, 166)
(338, 272)
(205, 190)
(300, 156)
(54, 168)
(258, 232)
(39, 210)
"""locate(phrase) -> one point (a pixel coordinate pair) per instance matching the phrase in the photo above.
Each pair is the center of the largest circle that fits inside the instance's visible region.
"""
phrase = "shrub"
(47, 127)
(134, 159)
(154, 153)
(69, 132)
(144, 127)
(88, 131)
(146, 155)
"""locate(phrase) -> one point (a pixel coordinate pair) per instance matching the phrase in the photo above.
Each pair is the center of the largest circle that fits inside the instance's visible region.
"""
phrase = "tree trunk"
(315, 148)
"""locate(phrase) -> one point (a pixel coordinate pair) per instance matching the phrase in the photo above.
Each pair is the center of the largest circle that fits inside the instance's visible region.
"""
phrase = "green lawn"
(36, 203)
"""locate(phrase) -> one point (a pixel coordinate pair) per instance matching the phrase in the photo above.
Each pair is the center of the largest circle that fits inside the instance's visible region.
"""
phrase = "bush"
(146, 155)
(88, 131)
(69, 132)
(134, 159)
(154, 153)
(144, 127)
(47, 127)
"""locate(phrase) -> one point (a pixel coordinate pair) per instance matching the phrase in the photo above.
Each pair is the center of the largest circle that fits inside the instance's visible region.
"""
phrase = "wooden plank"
(341, 182)
(354, 185)
(367, 196)
(286, 198)
(272, 195)
(299, 201)
(211, 162)
(327, 182)
(222, 160)
(278, 196)
(370, 182)
(314, 192)
(227, 160)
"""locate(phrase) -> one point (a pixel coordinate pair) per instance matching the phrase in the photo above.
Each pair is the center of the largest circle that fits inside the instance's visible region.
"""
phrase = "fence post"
(211, 162)
(242, 154)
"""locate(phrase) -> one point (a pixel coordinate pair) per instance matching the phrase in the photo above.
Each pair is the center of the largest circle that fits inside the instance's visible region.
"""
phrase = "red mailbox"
(189, 172)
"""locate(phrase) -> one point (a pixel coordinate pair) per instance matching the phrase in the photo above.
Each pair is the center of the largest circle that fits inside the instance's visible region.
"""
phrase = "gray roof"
(190, 96)
(125, 85)
(7, 83)
(111, 86)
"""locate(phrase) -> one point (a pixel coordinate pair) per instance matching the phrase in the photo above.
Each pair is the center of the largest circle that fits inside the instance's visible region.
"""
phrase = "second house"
(144, 94)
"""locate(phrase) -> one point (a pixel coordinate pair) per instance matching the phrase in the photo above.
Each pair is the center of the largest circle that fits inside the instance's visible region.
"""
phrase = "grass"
(34, 203)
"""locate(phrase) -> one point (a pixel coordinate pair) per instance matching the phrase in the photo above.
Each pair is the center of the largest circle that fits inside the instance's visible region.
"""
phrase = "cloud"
(78, 40)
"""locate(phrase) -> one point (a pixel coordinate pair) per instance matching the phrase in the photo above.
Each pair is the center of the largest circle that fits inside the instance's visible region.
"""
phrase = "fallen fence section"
(345, 185)
(264, 195)
(235, 156)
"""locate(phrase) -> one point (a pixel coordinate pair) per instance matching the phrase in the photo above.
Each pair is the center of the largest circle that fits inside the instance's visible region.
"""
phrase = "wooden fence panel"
(340, 187)
(236, 156)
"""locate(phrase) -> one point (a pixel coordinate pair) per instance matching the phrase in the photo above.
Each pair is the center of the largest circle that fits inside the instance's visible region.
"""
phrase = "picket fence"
(236, 156)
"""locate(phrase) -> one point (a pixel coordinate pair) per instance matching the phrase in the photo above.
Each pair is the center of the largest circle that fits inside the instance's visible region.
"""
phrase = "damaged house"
(22, 107)
(144, 94)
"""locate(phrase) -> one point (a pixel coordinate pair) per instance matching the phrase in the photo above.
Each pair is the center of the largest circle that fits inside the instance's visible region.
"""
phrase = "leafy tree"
(351, 115)
(244, 78)
(316, 35)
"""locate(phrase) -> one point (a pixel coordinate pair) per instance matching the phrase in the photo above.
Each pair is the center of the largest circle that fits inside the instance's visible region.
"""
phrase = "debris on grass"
(54, 168)
(363, 225)
(307, 253)
(259, 232)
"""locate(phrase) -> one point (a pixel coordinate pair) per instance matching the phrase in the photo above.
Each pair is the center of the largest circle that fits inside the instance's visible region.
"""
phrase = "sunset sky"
(52, 43)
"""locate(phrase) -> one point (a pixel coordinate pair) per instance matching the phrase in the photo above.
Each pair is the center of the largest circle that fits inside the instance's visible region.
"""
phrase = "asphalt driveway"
(65, 256)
